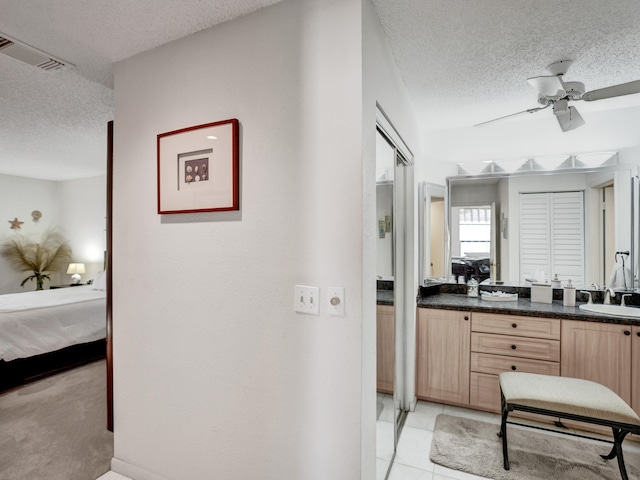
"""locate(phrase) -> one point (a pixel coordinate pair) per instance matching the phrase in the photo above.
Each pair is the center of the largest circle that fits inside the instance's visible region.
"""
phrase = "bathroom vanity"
(464, 342)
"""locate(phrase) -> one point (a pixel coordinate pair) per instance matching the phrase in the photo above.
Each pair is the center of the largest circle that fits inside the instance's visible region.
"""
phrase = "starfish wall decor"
(15, 224)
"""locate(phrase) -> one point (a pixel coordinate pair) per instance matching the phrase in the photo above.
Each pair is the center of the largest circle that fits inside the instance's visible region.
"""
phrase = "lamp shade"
(75, 268)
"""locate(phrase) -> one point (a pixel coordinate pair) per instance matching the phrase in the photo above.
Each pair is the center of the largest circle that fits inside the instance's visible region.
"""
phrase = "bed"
(46, 331)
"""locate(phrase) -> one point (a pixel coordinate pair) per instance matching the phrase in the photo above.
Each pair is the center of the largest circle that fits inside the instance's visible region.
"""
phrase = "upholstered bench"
(571, 399)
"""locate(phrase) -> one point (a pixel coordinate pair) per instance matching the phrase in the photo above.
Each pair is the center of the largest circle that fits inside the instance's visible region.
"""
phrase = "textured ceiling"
(54, 123)
(467, 61)
(463, 61)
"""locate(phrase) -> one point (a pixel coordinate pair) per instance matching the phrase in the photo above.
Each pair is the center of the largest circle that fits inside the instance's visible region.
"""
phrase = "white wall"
(20, 197)
(83, 214)
(215, 375)
(77, 208)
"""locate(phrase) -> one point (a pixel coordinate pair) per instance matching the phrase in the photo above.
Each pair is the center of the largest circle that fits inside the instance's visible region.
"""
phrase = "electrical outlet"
(306, 299)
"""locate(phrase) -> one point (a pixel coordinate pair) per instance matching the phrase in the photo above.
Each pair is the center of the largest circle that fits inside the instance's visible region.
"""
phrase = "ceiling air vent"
(31, 55)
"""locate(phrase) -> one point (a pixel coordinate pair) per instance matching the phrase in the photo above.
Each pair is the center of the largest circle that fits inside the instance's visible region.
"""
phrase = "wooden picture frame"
(198, 168)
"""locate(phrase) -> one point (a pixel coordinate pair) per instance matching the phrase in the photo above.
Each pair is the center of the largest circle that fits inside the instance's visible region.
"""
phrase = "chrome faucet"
(590, 301)
(608, 293)
(595, 286)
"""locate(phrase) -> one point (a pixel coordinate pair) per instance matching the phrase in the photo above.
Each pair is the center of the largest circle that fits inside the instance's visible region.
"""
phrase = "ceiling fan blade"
(531, 110)
(548, 85)
(570, 120)
(628, 88)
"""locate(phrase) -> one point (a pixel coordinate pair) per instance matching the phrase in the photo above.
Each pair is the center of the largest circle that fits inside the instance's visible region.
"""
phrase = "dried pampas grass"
(51, 254)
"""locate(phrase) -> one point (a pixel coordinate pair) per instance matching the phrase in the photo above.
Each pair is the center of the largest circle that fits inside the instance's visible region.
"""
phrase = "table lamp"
(75, 269)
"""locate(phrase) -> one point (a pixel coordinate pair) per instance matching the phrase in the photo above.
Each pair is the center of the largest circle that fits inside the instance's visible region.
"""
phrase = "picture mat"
(219, 191)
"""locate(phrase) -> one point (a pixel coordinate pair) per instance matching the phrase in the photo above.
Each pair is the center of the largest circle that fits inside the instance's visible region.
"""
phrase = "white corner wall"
(215, 375)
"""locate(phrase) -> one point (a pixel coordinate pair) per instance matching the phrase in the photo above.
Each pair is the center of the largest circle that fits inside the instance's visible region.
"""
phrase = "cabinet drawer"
(485, 395)
(484, 392)
(515, 325)
(494, 364)
(523, 347)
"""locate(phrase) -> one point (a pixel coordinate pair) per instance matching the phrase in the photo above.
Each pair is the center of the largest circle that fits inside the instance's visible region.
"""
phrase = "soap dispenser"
(569, 295)
(472, 287)
(556, 283)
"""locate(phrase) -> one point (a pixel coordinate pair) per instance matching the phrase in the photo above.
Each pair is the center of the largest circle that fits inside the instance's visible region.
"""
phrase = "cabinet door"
(635, 369)
(443, 353)
(600, 352)
(385, 354)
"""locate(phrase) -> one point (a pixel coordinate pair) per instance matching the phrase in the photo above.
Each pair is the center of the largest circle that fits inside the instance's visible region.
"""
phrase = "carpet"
(55, 428)
(474, 447)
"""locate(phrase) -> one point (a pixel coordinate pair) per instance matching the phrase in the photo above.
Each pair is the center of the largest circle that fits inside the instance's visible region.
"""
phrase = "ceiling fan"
(554, 92)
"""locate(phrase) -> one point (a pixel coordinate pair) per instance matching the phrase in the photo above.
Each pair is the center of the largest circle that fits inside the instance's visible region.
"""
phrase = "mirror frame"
(426, 191)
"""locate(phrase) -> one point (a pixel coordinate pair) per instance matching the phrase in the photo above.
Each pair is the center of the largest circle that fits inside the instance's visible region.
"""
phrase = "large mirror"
(514, 229)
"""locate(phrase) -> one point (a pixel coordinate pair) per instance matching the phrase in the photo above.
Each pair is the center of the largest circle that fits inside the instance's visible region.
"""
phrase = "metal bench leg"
(616, 451)
(503, 432)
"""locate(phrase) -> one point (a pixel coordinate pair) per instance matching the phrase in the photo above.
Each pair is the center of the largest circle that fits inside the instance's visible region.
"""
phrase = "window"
(474, 225)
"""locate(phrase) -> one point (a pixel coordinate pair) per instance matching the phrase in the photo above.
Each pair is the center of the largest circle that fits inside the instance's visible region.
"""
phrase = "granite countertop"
(523, 307)
(385, 297)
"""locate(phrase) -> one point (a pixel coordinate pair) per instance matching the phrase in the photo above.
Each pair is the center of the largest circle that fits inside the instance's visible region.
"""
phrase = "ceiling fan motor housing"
(574, 90)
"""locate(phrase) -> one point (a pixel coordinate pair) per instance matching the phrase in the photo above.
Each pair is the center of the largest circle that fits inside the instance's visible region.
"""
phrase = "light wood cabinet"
(600, 352)
(443, 355)
(635, 369)
(502, 343)
(385, 343)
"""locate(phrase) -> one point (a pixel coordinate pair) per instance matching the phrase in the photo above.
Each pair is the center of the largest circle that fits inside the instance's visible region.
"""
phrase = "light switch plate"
(335, 301)
(306, 299)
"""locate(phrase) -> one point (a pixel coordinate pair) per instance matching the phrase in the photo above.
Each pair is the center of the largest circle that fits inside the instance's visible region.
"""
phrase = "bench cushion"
(566, 395)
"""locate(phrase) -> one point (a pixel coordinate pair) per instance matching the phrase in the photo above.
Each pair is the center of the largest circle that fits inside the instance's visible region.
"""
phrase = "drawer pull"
(514, 325)
(638, 334)
(627, 333)
(466, 317)
(513, 347)
(513, 367)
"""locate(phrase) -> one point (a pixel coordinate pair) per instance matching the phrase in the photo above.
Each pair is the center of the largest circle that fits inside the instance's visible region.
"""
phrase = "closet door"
(552, 235)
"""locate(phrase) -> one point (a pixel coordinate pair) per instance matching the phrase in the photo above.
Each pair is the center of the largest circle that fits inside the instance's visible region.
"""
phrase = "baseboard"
(132, 471)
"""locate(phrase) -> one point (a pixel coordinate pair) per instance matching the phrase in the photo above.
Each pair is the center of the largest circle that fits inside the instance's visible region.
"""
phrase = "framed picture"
(198, 169)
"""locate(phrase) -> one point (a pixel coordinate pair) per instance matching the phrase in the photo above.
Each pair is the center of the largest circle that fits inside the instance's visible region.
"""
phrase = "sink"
(611, 310)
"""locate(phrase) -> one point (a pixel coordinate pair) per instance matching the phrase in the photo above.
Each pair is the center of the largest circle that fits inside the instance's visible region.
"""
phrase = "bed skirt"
(25, 370)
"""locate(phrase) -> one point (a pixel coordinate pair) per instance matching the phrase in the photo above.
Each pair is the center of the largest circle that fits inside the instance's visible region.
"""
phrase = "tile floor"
(412, 456)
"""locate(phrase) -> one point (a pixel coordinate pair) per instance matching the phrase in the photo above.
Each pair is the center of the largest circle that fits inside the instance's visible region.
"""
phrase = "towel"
(620, 276)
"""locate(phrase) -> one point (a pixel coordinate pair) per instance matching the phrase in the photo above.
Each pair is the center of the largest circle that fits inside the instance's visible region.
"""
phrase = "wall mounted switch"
(306, 299)
(335, 299)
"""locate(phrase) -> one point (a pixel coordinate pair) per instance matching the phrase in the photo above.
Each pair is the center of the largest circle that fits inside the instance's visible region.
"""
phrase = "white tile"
(388, 413)
(404, 472)
(413, 448)
(384, 440)
(424, 415)
(381, 468)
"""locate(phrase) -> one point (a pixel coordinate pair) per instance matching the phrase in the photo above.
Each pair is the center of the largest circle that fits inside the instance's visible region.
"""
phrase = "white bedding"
(33, 323)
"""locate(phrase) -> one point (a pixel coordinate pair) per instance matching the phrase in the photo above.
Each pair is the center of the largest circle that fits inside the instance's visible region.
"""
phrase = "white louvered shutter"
(552, 235)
